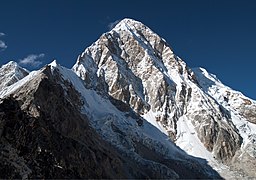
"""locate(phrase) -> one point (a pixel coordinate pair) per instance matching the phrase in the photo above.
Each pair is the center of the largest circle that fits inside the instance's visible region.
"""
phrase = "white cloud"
(32, 60)
(113, 24)
(3, 46)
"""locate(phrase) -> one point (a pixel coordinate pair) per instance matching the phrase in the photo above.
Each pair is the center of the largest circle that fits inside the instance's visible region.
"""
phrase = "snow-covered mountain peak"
(138, 68)
(137, 29)
(11, 73)
(127, 23)
(11, 63)
(54, 63)
(11, 66)
(130, 44)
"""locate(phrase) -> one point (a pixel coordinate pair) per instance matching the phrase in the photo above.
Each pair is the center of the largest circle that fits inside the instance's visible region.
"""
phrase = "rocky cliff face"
(141, 70)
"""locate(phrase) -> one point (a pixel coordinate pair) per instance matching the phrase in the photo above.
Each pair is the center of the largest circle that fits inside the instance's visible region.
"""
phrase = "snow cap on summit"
(128, 23)
(54, 63)
(10, 63)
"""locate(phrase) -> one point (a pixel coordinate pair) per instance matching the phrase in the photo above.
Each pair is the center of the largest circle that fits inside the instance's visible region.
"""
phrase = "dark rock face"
(44, 135)
(35, 149)
(51, 138)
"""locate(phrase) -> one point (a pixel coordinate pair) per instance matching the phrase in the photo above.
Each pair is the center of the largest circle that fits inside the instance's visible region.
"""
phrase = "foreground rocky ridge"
(45, 136)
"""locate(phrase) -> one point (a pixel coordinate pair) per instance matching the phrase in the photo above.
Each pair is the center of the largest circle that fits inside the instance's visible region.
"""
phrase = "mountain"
(11, 73)
(142, 71)
(129, 108)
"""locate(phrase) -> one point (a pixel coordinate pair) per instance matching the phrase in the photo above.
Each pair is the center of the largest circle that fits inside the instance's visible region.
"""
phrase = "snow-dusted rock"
(11, 73)
(141, 70)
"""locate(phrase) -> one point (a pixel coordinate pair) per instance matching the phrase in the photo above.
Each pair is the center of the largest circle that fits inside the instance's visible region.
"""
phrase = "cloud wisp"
(3, 46)
(113, 24)
(33, 60)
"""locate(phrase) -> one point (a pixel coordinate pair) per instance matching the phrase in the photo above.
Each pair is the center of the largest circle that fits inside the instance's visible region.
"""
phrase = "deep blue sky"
(219, 35)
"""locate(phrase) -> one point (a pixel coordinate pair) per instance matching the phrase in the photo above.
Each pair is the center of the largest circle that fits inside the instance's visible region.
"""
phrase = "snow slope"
(108, 115)
(120, 128)
(10, 89)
